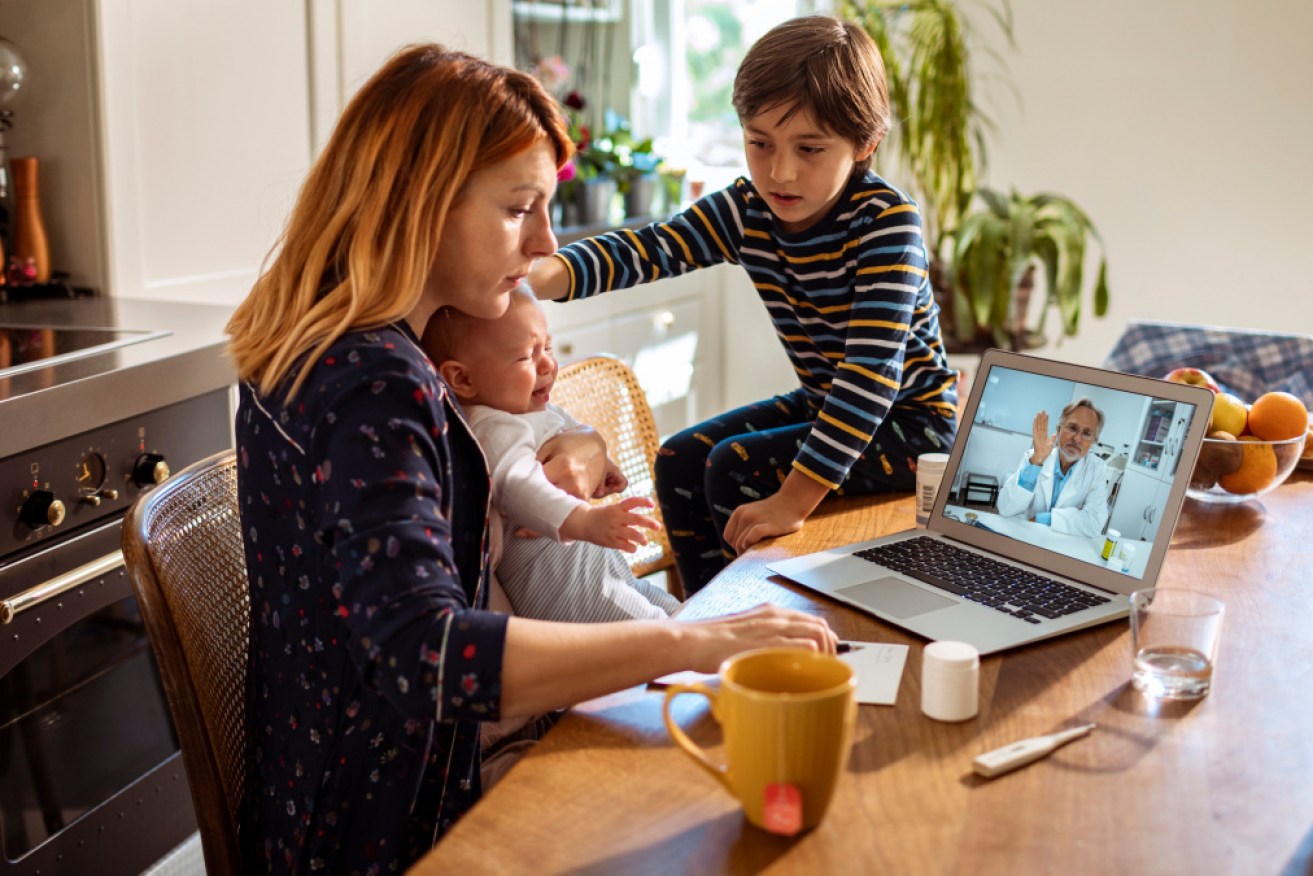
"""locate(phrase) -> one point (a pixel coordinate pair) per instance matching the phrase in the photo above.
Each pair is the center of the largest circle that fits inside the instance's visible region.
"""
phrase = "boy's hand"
(779, 514)
(548, 279)
(754, 521)
(614, 526)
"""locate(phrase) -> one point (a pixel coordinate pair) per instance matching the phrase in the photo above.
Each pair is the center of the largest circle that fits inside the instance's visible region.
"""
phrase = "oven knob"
(42, 509)
(150, 469)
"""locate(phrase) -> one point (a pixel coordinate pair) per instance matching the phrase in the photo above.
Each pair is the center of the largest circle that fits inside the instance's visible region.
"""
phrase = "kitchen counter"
(158, 353)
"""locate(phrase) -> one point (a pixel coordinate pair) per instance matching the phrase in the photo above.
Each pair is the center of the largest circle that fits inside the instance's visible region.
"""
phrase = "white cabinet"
(350, 39)
(205, 137)
(1139, 504)
(173, 136)
(1150, 470)
(668, 332)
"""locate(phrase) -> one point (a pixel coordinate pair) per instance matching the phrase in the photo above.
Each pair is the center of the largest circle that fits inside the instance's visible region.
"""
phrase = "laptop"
(981, 571)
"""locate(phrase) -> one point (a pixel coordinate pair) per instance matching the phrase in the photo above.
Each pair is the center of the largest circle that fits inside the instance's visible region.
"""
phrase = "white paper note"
(879, 668)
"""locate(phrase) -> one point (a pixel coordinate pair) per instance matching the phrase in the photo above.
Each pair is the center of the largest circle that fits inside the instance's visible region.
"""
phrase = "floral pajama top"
(364, 504)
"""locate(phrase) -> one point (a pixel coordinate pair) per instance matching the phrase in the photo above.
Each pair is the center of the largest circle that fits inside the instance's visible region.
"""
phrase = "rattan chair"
(602, 392)
(182, 544)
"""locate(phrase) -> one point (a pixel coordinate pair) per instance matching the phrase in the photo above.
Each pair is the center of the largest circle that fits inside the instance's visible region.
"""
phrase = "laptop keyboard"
(1007, 589)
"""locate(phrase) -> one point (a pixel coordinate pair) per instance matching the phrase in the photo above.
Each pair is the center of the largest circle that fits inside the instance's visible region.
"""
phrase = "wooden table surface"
(1223, 785)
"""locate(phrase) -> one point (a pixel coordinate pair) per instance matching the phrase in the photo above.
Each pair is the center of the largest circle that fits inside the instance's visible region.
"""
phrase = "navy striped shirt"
(850, 298)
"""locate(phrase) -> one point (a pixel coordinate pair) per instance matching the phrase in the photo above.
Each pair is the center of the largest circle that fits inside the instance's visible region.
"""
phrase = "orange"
(1277, 416)
(1258, 468)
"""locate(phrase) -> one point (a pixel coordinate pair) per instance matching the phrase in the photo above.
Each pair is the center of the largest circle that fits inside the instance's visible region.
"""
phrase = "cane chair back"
(602, 392)
(182, 545)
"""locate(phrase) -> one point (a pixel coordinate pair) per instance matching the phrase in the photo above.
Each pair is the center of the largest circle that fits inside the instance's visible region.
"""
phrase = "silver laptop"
(999, 565)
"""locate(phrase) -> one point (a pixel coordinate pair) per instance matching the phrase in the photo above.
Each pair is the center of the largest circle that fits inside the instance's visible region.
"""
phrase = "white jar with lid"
(950, 681)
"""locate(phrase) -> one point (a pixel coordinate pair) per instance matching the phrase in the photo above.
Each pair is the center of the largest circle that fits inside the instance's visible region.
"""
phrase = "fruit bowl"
(1236, 470)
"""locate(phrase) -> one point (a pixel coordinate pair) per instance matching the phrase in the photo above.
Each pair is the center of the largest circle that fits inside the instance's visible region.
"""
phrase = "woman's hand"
(712, 641)
(613, 481)
(1041, 441)
(576, 461)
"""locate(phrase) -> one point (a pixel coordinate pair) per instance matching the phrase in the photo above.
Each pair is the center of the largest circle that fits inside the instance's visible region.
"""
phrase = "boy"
(502, 370)
(837, 257)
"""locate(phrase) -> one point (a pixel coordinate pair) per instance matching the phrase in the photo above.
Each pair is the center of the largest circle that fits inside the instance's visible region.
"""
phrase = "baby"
(502, 370)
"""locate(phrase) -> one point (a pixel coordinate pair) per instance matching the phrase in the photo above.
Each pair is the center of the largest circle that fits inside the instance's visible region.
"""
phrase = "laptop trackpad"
(895, 597)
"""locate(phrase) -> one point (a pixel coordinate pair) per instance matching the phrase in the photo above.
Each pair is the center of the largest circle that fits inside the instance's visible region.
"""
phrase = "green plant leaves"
(995, 247)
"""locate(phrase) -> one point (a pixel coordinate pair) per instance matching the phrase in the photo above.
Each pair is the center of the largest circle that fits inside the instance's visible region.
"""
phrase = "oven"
(99, 400)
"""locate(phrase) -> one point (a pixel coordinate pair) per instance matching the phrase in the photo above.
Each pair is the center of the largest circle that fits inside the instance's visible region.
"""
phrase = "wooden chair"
(602, 392)
(182, 544)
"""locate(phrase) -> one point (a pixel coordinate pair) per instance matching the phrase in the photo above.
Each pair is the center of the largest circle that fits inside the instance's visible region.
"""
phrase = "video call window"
(1116, 481)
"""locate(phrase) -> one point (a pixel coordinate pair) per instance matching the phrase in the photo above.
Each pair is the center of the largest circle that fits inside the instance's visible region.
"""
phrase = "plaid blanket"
(1244, 362)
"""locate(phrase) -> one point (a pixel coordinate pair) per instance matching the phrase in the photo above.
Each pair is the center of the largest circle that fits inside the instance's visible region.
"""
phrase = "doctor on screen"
(1058, 482)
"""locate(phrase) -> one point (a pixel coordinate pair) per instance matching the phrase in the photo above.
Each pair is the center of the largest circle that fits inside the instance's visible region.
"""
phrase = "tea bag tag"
(782, 812)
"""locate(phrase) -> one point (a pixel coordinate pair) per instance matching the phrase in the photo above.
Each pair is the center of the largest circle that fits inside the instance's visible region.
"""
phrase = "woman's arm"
(550, 665)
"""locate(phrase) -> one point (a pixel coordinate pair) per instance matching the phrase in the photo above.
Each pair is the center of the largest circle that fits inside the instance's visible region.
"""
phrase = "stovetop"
(75, 365)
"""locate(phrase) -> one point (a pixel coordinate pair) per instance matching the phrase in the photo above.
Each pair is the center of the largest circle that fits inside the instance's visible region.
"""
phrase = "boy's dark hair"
(827, 66)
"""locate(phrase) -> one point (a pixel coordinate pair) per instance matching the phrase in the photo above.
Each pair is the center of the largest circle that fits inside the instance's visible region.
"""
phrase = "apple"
(1193, 376)
(1229, 414)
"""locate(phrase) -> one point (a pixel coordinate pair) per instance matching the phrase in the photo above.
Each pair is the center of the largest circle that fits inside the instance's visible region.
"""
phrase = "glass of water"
(1174, 635)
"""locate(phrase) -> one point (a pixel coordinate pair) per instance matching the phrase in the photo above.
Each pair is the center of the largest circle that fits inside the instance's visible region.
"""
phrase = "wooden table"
(1224, 785)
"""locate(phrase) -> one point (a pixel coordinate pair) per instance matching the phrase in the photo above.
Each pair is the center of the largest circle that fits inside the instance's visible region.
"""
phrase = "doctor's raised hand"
(1042, 441)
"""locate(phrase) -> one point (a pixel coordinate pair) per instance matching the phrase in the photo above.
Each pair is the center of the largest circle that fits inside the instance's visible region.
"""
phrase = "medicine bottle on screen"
(1110, 540)
(1127, 556)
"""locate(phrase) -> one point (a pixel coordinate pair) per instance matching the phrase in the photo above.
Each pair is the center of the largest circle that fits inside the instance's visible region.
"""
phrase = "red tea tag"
(783, 808)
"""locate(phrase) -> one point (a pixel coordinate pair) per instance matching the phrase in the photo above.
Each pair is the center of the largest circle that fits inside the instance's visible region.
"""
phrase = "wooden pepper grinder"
(29, 228)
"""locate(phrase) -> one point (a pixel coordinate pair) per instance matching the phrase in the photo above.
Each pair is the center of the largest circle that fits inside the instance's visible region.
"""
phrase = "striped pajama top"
(850, 299)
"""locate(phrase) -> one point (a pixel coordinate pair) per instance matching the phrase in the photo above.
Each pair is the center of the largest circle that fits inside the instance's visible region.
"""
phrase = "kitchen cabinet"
(173, 136)
(668, 332)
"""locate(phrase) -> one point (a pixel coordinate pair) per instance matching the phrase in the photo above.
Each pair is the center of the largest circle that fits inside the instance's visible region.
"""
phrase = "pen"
(845, 647)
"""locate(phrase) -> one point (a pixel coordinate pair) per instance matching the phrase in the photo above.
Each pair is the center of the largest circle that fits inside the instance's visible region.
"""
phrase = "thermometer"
(1018, 754)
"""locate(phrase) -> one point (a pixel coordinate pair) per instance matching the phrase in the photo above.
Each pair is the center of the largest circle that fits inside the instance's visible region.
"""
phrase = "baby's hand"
(615, 526)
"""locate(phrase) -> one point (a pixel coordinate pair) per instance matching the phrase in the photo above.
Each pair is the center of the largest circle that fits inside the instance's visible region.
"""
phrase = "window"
(666, 65)
(700, 43)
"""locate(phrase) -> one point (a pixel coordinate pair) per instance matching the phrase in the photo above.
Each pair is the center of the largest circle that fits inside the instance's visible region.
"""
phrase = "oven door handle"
(10, 608)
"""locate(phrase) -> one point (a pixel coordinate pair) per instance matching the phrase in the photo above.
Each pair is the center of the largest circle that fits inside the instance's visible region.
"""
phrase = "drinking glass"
(1174, 636)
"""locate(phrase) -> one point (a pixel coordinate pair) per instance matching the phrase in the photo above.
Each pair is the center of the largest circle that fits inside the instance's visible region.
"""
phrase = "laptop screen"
(1081, 470)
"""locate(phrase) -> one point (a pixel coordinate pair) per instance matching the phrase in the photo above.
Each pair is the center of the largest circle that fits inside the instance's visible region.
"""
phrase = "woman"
(365, 499)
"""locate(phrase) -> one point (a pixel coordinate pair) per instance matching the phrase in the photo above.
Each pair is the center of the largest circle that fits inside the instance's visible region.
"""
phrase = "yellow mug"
(787, 716)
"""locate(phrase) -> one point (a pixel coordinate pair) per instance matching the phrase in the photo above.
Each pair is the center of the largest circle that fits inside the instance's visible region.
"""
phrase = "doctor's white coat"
(1082, 507)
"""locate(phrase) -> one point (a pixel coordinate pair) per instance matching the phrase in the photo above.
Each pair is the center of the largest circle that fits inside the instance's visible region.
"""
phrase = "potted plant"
(989, 262)
(940, 134)
(928, 48)
(635, 171)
